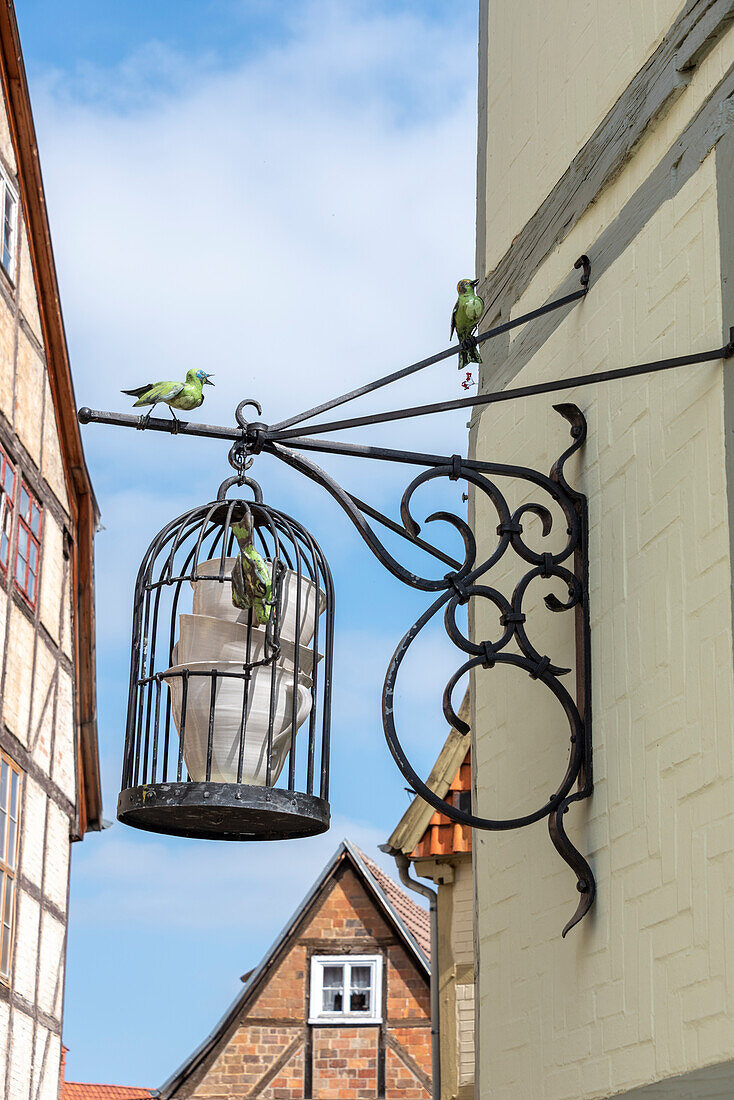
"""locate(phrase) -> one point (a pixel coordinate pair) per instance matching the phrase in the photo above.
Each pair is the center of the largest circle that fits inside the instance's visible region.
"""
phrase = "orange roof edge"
(77, 1090)
(444, 837)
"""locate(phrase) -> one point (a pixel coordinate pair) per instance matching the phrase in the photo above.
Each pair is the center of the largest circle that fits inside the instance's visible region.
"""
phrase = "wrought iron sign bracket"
(468, 579)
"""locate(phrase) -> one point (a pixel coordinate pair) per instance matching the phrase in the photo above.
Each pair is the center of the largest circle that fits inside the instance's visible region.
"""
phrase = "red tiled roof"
(443, 836)
(75, 1090)
(415, 918)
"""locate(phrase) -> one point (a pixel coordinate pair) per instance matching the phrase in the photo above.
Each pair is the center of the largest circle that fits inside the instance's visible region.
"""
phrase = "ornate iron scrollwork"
(468, 581)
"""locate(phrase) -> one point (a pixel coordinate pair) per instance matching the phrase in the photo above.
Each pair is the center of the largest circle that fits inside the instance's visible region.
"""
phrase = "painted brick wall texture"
(643, 988)
(556, 75)
(462, 917)
(273, 1034)
(648, 153)
(36, 708)
(465, 1032)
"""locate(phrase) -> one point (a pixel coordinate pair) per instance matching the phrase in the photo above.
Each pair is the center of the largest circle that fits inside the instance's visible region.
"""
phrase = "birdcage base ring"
(223, 811)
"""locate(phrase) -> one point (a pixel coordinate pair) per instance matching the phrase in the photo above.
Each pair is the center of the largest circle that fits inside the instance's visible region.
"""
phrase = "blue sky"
(221, 177)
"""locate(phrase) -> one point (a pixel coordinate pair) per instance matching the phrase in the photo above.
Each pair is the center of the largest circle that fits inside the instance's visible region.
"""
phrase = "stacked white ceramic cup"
(215, 637)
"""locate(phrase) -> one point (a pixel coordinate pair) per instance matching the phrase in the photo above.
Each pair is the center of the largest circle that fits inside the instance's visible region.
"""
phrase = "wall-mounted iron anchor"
(585, 262)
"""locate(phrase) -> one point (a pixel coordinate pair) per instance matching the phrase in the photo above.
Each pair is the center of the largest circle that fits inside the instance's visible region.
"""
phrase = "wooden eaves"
(82, 502)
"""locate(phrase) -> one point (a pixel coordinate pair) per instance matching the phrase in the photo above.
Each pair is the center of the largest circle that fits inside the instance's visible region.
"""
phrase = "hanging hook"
(238, 411)
(239, 456)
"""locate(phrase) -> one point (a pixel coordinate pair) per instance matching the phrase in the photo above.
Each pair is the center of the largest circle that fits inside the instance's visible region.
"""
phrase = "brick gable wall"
(275, 1054)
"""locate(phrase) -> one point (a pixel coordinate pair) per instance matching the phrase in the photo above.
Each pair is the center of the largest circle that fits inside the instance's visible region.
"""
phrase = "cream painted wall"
(555, 73)
(643, 989)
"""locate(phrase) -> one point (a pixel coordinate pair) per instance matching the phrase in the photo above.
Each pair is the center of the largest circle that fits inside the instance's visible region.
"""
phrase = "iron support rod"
(294, 438)
(359, 450)
(405, 372)
(393, 526)
(157, 424)
(507, 395)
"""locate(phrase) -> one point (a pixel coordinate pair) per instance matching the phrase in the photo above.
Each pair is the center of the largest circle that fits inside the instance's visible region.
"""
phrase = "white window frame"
(318, 1016)
(7, 187)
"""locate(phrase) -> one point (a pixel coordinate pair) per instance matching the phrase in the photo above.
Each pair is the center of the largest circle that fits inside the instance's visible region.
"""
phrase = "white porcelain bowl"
(228, 718)
(204, 638)
(214, 597)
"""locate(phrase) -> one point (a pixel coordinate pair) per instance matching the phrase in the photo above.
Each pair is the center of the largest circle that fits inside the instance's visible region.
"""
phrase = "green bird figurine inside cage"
(185, 396)
(252, 582)
(464, 319)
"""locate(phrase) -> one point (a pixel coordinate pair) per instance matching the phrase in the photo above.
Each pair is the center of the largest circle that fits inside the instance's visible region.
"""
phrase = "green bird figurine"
(252, 584)
(186, 395)
(464, 319)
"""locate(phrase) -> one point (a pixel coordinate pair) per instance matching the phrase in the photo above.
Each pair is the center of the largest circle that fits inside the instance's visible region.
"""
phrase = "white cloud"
(297, 224)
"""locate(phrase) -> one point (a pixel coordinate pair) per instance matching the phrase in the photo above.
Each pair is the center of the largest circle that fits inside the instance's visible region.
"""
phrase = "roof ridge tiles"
(416, 919)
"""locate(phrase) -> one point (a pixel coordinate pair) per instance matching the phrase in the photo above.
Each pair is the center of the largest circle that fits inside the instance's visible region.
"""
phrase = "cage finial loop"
(240, 480)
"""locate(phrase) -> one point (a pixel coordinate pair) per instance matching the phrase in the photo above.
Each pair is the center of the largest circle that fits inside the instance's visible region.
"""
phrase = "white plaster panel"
(47, 1065)
(57, 856)
(63, 762)
(52, 465)
(20, 1056)
(52, 576)
(51, 969)
(4, 1039)
(18, 669)
(6, 143)
(7, 360)
(40, 1055)
(33, 827)
(67, 637)
(27, 929)
(27, 286)
(42, 710)
(3, 620)
(29, 390)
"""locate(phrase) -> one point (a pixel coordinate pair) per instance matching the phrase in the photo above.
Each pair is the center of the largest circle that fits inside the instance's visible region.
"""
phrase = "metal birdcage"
(228, 716)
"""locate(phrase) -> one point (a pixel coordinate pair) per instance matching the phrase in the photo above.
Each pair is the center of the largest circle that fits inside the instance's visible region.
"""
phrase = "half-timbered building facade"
(338, 1008)
(49, 774)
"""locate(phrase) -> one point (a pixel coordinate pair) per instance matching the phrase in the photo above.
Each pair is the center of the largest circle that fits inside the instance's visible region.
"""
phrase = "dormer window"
(346, 988)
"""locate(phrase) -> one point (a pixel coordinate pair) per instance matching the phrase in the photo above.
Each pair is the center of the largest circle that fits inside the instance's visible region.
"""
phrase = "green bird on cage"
(464, 319)
(252, 583)
(185, 396)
